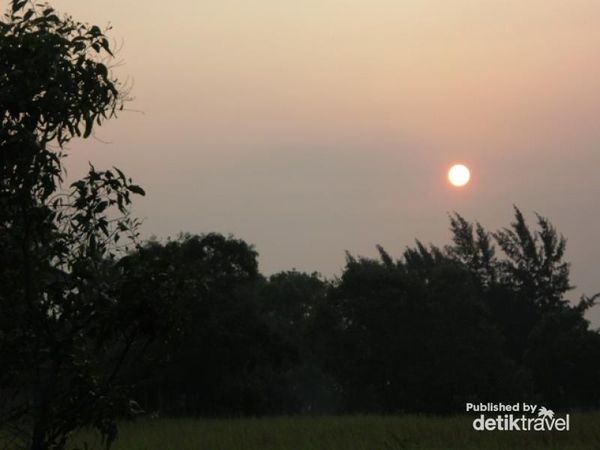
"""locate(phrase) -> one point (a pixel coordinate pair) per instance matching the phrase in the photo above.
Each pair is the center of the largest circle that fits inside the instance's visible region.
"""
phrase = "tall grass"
(348, 433)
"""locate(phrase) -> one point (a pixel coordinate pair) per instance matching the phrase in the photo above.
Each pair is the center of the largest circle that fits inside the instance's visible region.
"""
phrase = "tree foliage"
(217, 356)
(483, 319)
(63, 340)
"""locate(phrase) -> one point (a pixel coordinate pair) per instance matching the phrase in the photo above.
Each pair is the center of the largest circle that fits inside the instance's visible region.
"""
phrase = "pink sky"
(317, 126)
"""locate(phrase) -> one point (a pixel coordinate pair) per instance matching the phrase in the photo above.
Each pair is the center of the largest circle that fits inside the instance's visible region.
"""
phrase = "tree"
(63, 335)
(483, 318)
(563, 355)
(534, 261)
(524, 287)
(293, 305)
(413, 335)
(528, 279)
(217, 354)
(474, 248)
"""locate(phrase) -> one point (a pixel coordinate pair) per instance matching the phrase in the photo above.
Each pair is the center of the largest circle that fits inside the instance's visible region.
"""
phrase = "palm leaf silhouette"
(545, 413)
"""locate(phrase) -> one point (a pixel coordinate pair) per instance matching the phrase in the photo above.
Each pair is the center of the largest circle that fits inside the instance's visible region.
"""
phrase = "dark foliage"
(63, 339)
(216, 354)
(483, 319)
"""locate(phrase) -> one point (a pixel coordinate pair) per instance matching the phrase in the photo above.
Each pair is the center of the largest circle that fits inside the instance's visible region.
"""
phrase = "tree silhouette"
(63, 340)
(425, 332)
(545, 413)
(534, 263)
(412, 335)
(217, 354)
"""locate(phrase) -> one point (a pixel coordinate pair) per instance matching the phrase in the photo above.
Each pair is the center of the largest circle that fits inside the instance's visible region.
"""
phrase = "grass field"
(347, 433)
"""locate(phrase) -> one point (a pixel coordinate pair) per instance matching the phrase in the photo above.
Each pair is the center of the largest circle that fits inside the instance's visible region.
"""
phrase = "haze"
(309, 128)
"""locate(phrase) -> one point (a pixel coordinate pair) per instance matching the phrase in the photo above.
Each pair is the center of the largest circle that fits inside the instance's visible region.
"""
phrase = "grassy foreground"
(347, 433)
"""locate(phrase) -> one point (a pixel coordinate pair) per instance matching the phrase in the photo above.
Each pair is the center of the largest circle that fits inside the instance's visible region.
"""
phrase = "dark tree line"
(483, 319)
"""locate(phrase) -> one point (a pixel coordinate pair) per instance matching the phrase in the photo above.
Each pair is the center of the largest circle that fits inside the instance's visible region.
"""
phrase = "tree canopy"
(484, 318)
(63, 337)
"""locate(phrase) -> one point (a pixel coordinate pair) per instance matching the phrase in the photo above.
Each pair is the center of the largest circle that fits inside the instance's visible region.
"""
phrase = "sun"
(459, 175)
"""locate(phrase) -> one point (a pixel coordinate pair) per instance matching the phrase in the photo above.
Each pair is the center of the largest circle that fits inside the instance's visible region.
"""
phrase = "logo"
(516, 417)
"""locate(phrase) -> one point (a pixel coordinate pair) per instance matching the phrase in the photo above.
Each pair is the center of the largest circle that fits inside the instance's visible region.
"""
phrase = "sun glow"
(459, 175)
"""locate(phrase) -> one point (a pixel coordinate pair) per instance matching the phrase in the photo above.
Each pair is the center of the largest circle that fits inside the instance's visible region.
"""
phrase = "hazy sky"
(312, 127)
